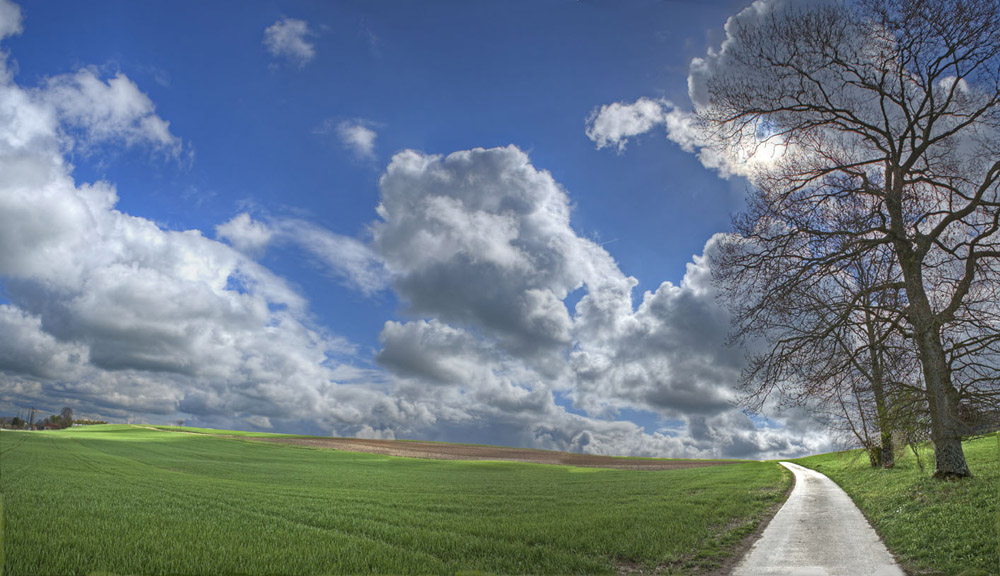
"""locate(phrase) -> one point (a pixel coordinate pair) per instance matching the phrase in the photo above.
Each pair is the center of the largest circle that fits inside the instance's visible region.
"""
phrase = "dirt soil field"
(440, 451)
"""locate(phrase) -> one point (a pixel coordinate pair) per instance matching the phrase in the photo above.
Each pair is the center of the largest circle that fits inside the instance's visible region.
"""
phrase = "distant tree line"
(85, 422)
(55, 421)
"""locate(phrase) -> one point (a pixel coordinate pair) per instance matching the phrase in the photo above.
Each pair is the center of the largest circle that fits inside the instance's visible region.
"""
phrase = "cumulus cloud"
(112, 314)
(719, 61)
(481, 237)
(480, 394)
(370, 433)
(613, 124)
(109, 111)
(479, 244)
(669, 355)
(288, 38)
(29, 351)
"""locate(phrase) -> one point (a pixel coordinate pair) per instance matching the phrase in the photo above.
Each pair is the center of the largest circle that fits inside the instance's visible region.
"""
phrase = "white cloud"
(357, 137)
(613, 124)
(669, 355)
(719, 62)
(245, 234)
(371, 433)
(482, 237)
(10, 19)
(112, 314)
(479, 242)
(480, 394)
(289, 38)
(107, 112)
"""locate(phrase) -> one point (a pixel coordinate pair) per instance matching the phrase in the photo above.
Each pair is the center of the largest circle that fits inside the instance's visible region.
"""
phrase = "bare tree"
(889, 111)
(831, 344)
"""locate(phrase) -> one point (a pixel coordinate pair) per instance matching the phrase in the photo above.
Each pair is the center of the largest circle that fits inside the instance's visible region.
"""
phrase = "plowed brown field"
(440, 451)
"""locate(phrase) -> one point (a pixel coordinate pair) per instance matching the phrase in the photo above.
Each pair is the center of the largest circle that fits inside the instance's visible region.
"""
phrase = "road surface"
(818, 532)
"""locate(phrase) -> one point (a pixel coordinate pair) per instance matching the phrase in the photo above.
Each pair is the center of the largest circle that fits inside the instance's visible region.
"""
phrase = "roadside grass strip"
(932, 527)
(127, 500)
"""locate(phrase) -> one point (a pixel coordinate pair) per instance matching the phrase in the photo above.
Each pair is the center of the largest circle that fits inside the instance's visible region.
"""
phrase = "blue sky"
(436, 77)
(289, 123)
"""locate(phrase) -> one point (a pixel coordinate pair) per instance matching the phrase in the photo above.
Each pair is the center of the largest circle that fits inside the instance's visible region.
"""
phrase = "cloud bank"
(479, 246)
(513, 329)
(114, 314)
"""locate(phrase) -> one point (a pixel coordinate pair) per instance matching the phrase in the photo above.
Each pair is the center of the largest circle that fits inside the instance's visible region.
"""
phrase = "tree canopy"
(877, 131)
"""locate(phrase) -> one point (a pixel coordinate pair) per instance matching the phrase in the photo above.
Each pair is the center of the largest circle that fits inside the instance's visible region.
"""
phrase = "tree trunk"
(884, 455)
(888, 455)
(942, 398)
(885, 424)
(874, 455)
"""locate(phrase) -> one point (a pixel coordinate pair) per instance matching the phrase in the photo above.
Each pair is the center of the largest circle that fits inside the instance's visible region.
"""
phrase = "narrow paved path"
(818, 532)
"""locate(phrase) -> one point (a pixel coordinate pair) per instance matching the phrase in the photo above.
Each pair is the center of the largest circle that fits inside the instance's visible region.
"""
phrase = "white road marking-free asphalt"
(818, 532)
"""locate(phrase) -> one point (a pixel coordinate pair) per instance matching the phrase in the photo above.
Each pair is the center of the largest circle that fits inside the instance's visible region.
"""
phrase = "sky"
(464, 221)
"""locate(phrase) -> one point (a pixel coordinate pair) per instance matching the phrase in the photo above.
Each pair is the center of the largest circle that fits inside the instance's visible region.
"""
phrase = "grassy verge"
(933, 527)
(131, 500)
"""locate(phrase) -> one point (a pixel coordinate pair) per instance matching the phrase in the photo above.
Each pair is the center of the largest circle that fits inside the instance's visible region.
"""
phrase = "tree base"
(949, 460)
(951, 476)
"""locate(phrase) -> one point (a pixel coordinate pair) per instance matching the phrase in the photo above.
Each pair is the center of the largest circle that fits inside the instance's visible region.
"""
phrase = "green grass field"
(125, 500)
(933, 527)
